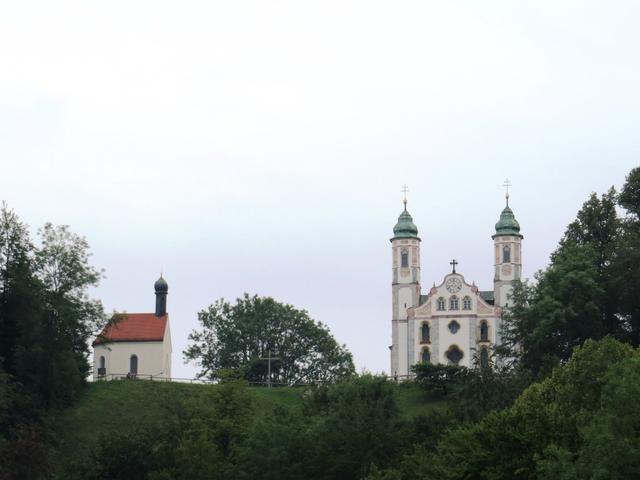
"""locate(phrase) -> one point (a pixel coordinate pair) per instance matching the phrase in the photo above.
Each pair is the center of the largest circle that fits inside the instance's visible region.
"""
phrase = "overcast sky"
(261, 146)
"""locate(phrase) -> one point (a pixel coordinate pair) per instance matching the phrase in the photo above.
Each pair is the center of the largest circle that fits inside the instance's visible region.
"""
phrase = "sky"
(260, 146)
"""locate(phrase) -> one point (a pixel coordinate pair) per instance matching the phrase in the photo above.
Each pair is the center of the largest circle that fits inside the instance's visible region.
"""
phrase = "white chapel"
(136, 345)
(454, 322)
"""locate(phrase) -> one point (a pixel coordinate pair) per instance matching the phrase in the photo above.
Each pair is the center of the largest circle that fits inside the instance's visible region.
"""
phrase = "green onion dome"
(405, 228)
(507, 225)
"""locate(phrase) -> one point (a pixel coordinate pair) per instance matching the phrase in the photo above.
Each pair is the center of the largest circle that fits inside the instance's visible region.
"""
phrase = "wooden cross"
(453, 263)
(269, 358)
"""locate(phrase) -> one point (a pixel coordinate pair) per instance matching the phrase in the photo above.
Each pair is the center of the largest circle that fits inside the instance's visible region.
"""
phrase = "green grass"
(122, 406)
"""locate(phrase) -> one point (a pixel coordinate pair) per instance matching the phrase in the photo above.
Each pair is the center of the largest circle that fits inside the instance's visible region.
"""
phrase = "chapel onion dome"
(507, 225)
(161, 285)
(405, 228)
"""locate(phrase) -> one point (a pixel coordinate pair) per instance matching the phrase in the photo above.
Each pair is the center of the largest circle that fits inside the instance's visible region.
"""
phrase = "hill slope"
(128, 406)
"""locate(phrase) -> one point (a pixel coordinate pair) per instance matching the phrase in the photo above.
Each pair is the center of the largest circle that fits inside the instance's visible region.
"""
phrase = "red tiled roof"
(133, 327)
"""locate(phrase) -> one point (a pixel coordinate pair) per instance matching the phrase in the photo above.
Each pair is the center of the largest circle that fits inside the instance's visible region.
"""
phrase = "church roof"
(487, 296)
(133, 327)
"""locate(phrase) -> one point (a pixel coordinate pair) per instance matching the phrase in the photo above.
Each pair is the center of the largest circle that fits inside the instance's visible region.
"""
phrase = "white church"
(136, 345)
(454, 322)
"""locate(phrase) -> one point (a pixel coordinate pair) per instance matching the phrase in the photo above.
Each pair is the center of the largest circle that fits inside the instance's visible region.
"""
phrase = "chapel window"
(454, 326)
(425, 333)
(133, 365)
(404, 259)
(506, 254)
(484, 358)
(484, 332)
(441, 304)
(426, 356)
(454, 355)
(466, 303)
(454, 303)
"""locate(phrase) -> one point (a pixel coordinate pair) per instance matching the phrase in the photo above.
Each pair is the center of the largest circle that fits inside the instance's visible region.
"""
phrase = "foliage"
(630, 196)
(359, 426)
(591, 288)
(553, 428)
(439, 379)
(243, 335)
(235, 431)
(46, 319)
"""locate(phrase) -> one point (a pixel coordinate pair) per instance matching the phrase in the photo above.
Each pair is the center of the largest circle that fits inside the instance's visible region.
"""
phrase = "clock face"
(453, 285)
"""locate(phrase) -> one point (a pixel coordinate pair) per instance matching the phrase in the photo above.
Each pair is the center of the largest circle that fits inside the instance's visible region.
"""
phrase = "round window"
(454, 326)
(454, 355)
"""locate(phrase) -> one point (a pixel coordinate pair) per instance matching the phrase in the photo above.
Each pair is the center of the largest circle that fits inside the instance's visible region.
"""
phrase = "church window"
(103, 362)
(454, 326)
(506, 254)
(484, 332)
(454, 303)
(404, 259)
(466, 303)
(425, 333)
(441, 304)
(484, 358)
(133, 365)
(454, 355)
(426, 356)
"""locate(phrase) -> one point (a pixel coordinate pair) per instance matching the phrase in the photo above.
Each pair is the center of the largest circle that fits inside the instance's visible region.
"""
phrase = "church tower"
(405, 250)
(508, 254)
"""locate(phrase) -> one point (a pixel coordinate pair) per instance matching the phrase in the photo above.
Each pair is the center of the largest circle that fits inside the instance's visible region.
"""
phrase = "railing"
(199, 381)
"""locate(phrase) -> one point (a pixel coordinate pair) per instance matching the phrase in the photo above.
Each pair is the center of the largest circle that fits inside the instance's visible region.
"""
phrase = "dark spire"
(162, 289)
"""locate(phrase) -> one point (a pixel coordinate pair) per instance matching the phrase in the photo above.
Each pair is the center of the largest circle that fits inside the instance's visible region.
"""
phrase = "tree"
(557, 428)
(70, 316)
(240, 336)
(548, 320)
(629, 198)
(358, 425)
(626, 264)
(45, 321)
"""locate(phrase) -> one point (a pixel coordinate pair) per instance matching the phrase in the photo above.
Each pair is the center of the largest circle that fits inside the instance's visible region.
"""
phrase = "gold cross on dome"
(405, 190)
(507, 183)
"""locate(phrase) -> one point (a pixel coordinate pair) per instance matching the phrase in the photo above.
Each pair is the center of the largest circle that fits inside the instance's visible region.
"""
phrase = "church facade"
(454, 322)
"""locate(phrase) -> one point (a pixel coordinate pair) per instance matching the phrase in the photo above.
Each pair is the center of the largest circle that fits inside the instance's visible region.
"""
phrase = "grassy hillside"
(130, 405)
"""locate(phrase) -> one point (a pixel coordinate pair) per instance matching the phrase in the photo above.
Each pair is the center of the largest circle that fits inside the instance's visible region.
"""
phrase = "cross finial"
(405, 190)
(453, 263)
(507, 184)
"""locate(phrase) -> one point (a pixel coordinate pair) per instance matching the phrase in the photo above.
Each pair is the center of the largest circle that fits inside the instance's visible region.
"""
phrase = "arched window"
(441, 304)
(484, 332)
(425, 333)
(454, 303)
(103, 362)
(484, 358)
(454, 355)
(426, 356)
(404, 259)
(133, 365)
(454, 326)
(506, 254)
(466, 303)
